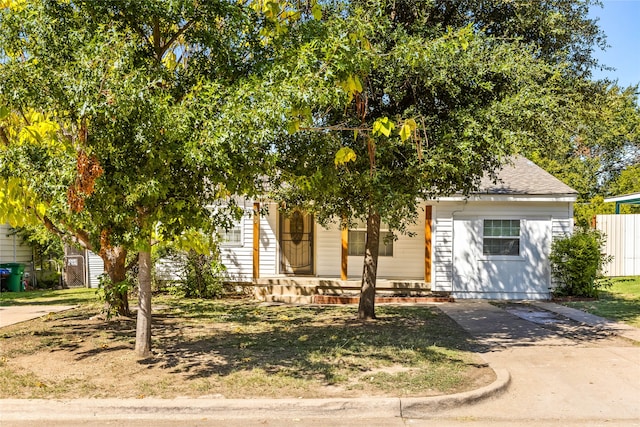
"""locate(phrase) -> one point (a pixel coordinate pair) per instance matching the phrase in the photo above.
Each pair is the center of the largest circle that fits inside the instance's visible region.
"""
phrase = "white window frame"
(361, 228)
(224, 234)
(502, 236)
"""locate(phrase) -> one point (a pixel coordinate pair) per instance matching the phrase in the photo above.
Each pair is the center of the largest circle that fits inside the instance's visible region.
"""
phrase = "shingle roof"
(522, 176)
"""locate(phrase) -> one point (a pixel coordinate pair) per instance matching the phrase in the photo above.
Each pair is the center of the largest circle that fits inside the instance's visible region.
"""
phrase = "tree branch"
(175, 37)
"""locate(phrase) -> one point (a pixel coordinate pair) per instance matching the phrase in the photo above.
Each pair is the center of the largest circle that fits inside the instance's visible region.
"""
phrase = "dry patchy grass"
(241, 349)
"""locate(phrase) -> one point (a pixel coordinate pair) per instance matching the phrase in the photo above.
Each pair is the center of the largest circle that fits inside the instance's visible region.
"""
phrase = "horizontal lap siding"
(96, 268)
(12, 248)
(443, 252)
(239, 259)
(559, 213)
(407, 261)
(268, 241)
(622, 233)
(328, 249)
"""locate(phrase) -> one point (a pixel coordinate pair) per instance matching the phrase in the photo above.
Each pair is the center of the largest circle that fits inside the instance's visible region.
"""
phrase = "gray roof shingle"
(522, 176)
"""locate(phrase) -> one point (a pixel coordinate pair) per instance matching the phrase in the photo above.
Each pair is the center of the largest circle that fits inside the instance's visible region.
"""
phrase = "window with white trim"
(358, 240)
(501, 237)
(232, 236)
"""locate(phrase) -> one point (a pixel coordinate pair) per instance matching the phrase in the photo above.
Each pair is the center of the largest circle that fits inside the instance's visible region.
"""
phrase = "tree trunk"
(143, 324)
(366, 307)
(115, 259)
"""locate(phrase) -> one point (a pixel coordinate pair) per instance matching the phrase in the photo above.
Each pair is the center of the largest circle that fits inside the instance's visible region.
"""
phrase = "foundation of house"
(314, 290)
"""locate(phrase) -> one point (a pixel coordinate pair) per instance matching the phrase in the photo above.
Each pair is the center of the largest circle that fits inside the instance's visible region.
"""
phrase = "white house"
(13, 250)
(493, 244)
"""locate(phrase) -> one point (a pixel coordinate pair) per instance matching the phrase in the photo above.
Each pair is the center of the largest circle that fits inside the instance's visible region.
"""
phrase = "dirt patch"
(240, 349)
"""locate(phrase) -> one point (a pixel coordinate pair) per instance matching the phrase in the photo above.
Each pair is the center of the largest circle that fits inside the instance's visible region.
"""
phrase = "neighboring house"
(492, 244)
(622, 237)
(14, 250)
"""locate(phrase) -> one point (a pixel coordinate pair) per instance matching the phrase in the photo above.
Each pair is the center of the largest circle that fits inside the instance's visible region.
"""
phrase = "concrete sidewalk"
(20, 313)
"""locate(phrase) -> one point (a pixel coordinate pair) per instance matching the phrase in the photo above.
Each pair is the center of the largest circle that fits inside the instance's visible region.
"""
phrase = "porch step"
(343, 299)
(333, 291)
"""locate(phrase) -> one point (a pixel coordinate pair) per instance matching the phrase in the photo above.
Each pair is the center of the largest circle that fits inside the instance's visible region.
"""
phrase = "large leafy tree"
(114, 119)
(403, 100)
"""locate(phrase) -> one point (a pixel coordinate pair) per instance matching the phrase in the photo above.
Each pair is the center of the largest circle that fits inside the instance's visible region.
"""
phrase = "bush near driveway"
(577, 264)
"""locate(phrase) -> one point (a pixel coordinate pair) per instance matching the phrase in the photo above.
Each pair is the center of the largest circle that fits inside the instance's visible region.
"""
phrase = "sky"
(620, 20)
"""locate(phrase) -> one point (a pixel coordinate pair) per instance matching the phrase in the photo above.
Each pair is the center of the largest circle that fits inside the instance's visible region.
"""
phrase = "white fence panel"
(623, 243)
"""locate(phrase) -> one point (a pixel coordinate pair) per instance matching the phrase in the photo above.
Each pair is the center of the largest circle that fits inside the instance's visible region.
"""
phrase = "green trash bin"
(14, 281)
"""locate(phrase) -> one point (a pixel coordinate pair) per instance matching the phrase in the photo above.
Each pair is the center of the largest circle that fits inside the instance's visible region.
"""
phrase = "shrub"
(112, 294)
(577, 264)
(203, 276)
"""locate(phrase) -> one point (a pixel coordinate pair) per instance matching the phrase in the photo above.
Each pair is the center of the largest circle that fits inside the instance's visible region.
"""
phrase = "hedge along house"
(493, 244)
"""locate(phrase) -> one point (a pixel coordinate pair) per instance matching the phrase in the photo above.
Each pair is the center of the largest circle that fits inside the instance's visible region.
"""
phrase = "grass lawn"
(236, 348)
(620, 302)
(49, 297)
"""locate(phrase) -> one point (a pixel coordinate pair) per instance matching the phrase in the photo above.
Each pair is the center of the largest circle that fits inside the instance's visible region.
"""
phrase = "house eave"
(560, 198)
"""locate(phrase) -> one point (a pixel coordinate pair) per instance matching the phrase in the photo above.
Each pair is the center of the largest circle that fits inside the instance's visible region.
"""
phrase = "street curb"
(188, 408)
(421, 407)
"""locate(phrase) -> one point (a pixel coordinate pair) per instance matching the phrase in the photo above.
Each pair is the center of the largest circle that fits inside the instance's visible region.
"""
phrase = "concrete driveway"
(563, 372)
(21, 313)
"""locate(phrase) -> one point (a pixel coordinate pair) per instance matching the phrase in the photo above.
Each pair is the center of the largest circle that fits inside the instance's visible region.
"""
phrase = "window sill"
(513, 258)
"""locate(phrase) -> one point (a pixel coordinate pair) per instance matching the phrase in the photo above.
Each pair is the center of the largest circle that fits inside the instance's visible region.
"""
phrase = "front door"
(296, 243)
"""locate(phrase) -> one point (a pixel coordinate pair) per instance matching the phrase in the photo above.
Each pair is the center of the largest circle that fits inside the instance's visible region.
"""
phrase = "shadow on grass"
(318, 343)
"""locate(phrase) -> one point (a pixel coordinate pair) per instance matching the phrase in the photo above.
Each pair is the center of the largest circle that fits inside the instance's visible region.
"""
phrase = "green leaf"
(293, 127)
(344, 155)
(383, 126)
(4, 112)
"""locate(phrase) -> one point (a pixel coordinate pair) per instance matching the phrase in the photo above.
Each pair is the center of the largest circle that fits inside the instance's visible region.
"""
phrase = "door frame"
(310, 233)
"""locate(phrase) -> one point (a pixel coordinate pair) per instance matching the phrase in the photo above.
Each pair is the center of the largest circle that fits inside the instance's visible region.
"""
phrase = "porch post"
(345, 251)
(256, 240)
(428, 223)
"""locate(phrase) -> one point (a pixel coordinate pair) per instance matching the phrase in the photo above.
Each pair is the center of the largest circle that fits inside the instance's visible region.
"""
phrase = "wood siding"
(545, 219)
(13, 249)
(329, 250)
(95, 268)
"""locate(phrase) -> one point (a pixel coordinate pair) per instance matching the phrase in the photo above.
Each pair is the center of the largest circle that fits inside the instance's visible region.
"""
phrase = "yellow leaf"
(344, 155)
(41, 209)
(358, 84)
(383, 126)
(408, 128)
(316, 11)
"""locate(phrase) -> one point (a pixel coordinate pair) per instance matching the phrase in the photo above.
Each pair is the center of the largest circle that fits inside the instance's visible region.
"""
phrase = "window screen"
(358, 238)
(501, 237)
(232, 236)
